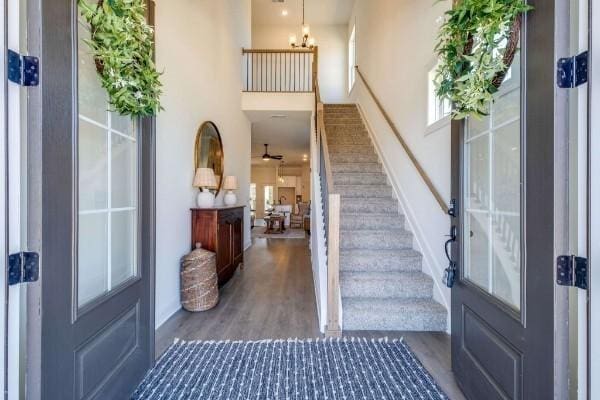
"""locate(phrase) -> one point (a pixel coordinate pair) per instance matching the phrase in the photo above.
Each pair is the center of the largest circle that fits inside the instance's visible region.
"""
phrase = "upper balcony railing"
(280, 71)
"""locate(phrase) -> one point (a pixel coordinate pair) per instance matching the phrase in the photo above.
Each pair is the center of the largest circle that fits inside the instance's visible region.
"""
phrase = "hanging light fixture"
(280, 173)
(307, 41)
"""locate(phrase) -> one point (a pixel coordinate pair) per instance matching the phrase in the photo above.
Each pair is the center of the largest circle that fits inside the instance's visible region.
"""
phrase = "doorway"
(507, 172)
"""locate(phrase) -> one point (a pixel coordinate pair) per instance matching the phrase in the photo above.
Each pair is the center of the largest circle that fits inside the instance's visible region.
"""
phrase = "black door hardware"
(450, 272)
(452, 209)
(23, 267)
(572, 271)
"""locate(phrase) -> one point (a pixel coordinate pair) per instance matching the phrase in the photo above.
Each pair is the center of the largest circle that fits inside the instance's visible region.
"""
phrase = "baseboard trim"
(165, 315)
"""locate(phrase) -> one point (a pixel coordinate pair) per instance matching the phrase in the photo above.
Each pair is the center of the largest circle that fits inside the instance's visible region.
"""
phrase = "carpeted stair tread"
(371, 221)
(359, 158)
(373, 205)
(385, 284)
(360, 178)
(376, 239)
(380, 260)
(355, 167)
(351, 148)
(392, 314)
(363, 191)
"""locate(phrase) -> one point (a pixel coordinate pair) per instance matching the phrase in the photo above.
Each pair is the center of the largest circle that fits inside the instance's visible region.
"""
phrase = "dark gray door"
(97, 225)
(503, 172)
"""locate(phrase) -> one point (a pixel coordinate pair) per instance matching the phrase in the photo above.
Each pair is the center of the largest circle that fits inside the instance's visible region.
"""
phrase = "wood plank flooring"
(274, 298)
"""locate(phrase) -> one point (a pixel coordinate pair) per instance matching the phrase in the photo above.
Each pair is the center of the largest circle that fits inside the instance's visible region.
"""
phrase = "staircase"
(382, 285)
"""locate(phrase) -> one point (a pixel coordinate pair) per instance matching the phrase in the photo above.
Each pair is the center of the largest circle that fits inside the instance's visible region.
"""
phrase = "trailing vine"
(122, 46)
(476, 46)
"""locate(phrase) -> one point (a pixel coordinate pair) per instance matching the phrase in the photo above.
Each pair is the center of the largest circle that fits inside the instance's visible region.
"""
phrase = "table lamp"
(205, 180)
(230, 184)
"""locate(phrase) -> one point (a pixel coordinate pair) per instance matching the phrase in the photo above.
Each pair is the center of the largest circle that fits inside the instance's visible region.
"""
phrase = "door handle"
(450, 272)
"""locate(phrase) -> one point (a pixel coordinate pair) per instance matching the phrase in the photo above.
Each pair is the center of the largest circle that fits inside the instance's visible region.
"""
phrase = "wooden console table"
(220, 230)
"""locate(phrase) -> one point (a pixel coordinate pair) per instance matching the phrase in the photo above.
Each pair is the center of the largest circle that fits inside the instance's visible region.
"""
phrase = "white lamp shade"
(305, 30)
(293, 40)
(230, 183)
(205, 178)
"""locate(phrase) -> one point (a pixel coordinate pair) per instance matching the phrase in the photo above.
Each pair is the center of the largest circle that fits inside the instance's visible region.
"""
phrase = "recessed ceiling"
(317, 12)
(287, 133)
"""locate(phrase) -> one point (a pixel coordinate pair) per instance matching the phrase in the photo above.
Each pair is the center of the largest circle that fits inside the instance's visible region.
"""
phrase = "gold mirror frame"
(197, 150)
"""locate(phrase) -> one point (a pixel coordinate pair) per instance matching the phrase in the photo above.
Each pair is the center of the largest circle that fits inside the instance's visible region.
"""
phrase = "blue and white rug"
(330, 369)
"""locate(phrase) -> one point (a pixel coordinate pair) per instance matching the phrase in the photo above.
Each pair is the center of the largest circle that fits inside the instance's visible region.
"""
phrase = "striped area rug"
(330, 369)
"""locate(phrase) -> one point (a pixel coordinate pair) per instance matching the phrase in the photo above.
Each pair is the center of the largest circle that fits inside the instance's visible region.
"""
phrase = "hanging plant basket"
(122, 46)
(477, 44)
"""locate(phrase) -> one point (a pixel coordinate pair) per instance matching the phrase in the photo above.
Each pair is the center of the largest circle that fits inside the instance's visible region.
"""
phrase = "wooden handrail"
(424, 176)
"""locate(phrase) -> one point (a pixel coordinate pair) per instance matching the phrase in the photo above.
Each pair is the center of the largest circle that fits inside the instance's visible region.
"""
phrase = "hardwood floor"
(274, 298)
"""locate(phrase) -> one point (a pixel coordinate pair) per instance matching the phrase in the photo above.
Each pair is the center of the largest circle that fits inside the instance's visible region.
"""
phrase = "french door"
(503, 303)
(97, 327)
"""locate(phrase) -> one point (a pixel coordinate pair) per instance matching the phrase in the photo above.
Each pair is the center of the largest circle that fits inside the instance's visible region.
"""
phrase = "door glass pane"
(123, 171)
(93, 167)
(92, 97)
(493, 195)
(123, 246)
(93, 275)
(108, 187)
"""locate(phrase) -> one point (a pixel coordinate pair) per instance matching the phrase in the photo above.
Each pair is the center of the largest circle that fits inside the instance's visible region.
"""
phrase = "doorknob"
(450, 272)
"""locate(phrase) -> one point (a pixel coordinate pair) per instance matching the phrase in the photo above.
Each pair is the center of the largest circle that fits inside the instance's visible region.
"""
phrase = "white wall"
(333, 43)
(395, 41)
(198, 46)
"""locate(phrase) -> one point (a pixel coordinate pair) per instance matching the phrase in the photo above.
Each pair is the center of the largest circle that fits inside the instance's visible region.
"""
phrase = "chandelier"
(307, 41)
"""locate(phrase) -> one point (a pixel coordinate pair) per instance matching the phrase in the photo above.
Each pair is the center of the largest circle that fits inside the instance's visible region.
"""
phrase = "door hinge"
(572, 71)
(572, 271)
(23, 70)
(23, 267)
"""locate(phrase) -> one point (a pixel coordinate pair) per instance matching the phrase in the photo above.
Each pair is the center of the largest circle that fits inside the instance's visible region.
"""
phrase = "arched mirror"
(208, 151)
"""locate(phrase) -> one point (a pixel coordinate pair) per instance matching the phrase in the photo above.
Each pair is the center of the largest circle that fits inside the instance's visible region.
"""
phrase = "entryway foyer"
(424, 172)
(273, 297)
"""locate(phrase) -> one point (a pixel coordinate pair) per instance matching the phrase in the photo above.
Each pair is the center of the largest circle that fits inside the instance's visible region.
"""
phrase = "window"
(253, 197)
(352, 59)
(438, 109)
(269, 195)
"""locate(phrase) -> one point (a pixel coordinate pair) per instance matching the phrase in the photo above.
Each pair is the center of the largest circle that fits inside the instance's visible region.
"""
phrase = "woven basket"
(199, 282)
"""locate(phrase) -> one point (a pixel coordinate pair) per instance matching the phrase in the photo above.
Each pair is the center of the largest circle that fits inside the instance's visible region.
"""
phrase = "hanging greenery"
(122, 46)
(476, 46)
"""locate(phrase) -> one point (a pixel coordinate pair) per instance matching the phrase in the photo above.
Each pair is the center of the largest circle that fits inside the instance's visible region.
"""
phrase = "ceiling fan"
(267, 156)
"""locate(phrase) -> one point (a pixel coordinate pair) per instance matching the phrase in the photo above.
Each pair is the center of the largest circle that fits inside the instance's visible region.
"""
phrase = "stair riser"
(405, 321)
(384, 289)
(336, 129)
(349, 140)
(362, 222)
(340, 115)
(379, 264)
(363, 191)
(334, 108)
(356, 158)
(375, 240)
(354, 167)
(344, 126)
(343, 120)
(357, 178)
(357, 205)
(351, 149)
(333, 133)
